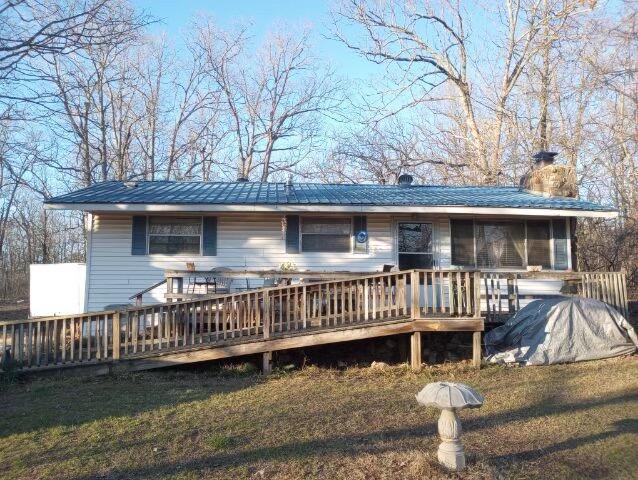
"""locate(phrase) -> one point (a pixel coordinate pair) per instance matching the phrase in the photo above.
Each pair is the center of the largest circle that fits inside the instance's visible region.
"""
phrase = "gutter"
(458, 210)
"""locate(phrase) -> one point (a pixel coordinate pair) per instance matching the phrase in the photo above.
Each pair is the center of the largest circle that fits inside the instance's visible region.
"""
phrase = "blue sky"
(264, 15)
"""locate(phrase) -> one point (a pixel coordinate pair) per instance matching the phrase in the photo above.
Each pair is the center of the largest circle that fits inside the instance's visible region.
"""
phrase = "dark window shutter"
(360, 224)
(560, 244)
(292, 233)
(209, 236)
(138, 237)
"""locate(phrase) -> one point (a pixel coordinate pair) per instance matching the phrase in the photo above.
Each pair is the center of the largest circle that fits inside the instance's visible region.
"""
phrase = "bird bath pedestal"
(450, 397)
(451, 453)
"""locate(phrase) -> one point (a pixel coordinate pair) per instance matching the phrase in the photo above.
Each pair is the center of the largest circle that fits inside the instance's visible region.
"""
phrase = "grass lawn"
(567, 421)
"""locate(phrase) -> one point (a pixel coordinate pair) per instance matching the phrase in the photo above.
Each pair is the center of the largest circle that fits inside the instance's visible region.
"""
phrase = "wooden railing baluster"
(116, 335)
(192, 311)
(340, 320)
(80, 339)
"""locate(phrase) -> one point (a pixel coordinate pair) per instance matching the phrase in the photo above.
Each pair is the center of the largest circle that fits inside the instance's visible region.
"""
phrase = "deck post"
(304, 312)
(267, 314)
(415, 351)
(477, 294)
(116, 336)
(414, 301)
(169, 289)
(476, 349)
(266, 364)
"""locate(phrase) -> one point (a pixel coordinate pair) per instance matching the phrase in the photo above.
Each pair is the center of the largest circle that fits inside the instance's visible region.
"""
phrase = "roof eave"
(250, 208)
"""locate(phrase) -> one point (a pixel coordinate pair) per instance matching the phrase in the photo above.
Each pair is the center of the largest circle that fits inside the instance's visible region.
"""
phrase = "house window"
(500, 244)
(508, 244)
(415, 245)
(538, 243)
(174, 235)
(326, 235)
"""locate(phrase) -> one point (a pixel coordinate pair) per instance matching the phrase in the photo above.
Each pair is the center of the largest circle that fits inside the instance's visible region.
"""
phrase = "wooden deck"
(264, 320)
(255, 321)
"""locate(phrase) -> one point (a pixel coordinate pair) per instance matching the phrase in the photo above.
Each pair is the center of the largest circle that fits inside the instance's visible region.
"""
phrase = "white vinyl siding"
(244, 241)
(250, 242)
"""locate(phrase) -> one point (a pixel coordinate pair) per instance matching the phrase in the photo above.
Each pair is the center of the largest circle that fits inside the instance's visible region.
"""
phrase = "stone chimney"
(549, 179)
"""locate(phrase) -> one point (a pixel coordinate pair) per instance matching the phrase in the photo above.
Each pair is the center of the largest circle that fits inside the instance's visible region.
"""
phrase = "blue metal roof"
(257, 193)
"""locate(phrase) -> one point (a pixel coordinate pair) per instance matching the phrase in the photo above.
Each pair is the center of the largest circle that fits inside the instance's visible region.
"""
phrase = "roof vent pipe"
(288, 187)
(405, 180)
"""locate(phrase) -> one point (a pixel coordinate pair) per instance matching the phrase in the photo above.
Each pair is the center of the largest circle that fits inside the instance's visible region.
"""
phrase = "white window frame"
(303, 218)
(568, 230)
(149, 235)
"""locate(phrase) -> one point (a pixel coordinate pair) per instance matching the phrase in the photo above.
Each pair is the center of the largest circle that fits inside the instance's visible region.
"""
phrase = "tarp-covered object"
(561, 330)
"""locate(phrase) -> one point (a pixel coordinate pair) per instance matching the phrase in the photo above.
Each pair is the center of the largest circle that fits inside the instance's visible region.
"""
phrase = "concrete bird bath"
(450, 397)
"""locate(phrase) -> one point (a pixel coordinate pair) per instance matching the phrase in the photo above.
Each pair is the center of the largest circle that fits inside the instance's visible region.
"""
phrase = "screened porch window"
(500, 245)
(415, 245)
(509, 244)
(462, 242)
(538, 243)
(174, 235)
(326, 235)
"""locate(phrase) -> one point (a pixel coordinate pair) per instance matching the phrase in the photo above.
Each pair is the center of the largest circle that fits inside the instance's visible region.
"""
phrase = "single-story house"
(138, 230)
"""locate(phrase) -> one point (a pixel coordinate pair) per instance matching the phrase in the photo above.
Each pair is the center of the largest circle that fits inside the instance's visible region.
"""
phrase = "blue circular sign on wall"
(362, 237)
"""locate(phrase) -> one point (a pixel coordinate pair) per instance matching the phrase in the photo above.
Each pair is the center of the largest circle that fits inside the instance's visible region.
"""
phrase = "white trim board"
(460, 210)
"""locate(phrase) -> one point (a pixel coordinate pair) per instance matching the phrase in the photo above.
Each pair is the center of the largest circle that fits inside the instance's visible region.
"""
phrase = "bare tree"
(274, 100)
(31, 30)
(430, 45)
(152, 65)
(380, 152)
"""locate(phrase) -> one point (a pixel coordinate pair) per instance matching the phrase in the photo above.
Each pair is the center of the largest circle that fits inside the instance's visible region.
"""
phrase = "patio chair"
(194, 282)
(211, 282)
(222, 284)
(270, 282)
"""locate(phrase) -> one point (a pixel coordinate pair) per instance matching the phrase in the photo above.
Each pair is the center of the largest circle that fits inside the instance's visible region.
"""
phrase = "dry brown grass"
(567, 421)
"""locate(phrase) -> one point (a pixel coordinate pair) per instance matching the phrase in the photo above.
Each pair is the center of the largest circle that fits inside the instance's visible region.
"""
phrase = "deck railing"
(260, 313)
(609, 287)
(42, 342)
(502, 296)
(265, 313)
(451, 293)
(243, 316)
